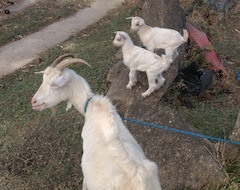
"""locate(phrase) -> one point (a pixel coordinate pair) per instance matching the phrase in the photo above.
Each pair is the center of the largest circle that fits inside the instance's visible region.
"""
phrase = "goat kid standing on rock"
(158, 38)
(112, 159)
(140, 59)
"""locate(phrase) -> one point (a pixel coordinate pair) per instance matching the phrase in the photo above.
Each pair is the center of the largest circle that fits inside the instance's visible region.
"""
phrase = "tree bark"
(164, 13)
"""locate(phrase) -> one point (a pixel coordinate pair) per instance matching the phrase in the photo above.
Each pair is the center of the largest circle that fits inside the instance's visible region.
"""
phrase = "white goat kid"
(112, 159)
(158, 38)
(140, 59)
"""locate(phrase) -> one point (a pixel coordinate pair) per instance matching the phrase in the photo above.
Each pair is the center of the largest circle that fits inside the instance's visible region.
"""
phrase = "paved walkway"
(17, 54)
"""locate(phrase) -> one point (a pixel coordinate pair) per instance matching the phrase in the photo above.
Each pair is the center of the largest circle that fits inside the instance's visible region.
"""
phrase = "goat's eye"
(137, 24)
(53, 85)
(118, 39)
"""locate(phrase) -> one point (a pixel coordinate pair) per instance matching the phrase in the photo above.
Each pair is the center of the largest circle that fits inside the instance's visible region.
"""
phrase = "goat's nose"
(33, 101)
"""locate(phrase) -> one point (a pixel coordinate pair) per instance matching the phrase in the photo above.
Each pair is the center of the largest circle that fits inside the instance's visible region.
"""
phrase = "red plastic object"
(202, 41)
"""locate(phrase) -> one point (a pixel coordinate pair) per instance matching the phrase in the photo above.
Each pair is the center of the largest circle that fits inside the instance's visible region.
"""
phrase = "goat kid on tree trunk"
(140, 59)
(112, 159)
(154, 38)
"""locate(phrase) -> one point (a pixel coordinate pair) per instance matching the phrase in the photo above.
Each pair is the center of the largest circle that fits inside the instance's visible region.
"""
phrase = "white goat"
(158, 38)
(112, 158)
(140, 59)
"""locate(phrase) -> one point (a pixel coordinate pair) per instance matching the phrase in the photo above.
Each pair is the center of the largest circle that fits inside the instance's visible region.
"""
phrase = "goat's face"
(53, 90)
(119, 39)
(55, 87)
(136, 23)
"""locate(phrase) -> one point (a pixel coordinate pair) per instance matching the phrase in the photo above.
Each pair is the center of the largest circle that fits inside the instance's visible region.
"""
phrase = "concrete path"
(17, 54)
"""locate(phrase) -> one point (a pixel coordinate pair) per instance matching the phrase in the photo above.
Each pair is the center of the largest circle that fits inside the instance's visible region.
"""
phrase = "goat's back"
(161, 38)
(112, 159)
(143, 60)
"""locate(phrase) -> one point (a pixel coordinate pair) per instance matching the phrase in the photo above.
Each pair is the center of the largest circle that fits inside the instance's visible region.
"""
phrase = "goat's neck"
(80, 93)
(144, 30)
(127, 46)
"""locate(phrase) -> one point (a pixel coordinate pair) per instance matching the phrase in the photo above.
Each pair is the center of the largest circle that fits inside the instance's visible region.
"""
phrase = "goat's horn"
(129, 18)
(60, 58)
(67, 62)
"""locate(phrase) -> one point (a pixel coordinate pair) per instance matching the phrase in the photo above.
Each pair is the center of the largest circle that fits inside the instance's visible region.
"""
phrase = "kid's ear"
(140, 21)
(61, 80)
(123, 36)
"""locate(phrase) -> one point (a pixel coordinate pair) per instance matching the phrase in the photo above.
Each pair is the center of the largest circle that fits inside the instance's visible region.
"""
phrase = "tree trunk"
(164, 13)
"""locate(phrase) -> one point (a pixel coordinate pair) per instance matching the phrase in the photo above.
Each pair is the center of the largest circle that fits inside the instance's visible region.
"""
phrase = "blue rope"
(180, 131)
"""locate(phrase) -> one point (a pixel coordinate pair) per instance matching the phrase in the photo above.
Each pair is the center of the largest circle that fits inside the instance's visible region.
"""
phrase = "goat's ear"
(122, 36)
(61, 80)
(140, 21)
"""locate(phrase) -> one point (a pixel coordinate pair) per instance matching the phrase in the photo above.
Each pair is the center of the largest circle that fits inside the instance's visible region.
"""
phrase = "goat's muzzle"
(36, 105)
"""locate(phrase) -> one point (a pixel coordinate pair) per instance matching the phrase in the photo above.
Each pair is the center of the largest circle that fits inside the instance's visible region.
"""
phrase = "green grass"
(217, 121)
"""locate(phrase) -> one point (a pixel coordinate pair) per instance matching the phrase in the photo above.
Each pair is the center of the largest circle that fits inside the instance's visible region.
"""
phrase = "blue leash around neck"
(86, 104)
